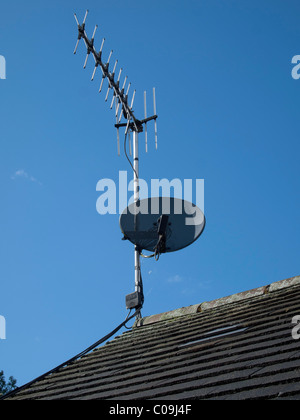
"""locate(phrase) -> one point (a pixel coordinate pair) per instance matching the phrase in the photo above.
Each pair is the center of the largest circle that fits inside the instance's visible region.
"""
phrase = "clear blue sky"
(228, 113)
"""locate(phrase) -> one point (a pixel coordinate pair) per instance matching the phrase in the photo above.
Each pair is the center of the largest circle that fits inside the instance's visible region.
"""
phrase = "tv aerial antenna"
(164, 229)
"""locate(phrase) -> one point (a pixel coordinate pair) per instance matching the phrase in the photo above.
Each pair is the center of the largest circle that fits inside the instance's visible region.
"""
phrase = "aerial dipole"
(123, 112)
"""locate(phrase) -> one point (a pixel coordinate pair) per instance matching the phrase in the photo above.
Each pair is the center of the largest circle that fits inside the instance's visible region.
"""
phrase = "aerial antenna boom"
(119, 94)
(123, 108)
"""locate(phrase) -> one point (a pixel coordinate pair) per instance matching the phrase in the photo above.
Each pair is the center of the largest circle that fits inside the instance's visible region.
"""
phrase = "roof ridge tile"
(204, 306)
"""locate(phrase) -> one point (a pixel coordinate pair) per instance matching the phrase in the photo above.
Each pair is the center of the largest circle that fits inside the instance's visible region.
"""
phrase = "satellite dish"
(176, 223)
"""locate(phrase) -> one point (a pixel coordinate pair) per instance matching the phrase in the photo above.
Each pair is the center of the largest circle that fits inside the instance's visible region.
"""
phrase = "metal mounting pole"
(137, 258)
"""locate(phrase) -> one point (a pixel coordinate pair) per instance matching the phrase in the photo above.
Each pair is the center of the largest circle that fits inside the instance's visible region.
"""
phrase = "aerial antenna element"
(123, 105)
(158, 232)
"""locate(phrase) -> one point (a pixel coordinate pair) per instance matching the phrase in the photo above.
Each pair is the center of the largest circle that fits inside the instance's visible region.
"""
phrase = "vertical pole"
(137, 259)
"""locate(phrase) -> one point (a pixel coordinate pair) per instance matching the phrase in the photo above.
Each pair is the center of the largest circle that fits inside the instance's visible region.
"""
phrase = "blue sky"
(228, 113)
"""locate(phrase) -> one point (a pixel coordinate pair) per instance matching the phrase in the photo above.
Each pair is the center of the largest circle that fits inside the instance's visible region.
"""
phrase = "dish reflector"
(140, 223)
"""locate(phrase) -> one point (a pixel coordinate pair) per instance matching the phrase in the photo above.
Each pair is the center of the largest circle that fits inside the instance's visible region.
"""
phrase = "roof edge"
(204, 306)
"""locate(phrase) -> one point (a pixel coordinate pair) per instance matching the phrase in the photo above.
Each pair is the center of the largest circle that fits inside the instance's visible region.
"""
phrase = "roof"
(238, 347)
